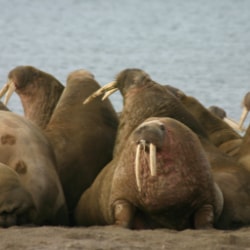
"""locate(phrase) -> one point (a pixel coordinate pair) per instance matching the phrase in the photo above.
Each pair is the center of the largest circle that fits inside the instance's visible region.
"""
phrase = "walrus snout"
(16, 207)
(16, 204)
(150, 133)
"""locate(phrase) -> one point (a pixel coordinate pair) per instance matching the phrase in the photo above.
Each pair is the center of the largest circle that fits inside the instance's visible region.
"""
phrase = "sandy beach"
(110, 237)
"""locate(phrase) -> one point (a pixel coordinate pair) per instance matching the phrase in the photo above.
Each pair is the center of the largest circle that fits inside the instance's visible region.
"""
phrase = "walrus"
(144, 98)
(157, 180)
(26, 150)
(219, 132)
(82, 136)
(39, 92)
(222, 114)
(230, 167)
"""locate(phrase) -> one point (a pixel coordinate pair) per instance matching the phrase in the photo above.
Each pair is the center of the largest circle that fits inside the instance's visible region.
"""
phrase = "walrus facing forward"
(37, 191)
(156, 180)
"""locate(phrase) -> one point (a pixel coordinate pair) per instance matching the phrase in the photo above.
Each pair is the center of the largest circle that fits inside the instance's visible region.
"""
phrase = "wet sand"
(110, 237)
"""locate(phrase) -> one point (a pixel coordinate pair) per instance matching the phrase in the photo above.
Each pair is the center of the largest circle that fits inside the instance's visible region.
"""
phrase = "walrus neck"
(38, 108)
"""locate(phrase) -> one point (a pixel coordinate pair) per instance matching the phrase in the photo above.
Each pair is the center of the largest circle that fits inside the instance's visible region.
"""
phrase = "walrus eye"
(162, 127)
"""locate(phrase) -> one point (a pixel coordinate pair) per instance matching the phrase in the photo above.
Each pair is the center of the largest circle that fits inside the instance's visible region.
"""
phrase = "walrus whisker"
(9, 92)
(152, 159)
(109, 88)
(137, 167)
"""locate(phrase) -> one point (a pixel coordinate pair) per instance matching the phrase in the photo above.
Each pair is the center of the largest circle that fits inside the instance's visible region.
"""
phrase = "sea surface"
(199, 46)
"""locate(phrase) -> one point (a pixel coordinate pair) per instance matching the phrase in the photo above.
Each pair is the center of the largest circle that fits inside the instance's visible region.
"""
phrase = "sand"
(111, 237)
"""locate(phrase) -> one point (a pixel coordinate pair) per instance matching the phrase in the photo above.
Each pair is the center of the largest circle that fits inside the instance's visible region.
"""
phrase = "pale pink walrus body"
(32, 192)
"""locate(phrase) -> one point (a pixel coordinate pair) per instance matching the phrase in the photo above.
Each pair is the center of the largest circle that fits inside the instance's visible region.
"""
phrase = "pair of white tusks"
(7, 89)
(106, 91)
(152, 161)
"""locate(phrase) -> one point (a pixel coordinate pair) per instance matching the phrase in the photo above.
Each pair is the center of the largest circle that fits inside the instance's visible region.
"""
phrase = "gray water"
(201, 47)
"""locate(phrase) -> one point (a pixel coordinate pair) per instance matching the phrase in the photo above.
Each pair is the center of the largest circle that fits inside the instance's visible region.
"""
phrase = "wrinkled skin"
(181, 195)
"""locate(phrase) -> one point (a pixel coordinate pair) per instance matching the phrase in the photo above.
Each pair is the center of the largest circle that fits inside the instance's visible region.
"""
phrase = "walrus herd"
(166, 161)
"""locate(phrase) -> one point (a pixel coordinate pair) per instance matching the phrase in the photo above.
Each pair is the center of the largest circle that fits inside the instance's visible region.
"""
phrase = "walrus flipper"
(123, 213)
(204, 217)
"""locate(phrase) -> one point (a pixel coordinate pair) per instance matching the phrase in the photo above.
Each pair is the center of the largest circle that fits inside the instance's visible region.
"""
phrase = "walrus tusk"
(106, 90)
(7, 89)
(234, 124)
(9, 92)
(137, 167)
(243, 117)
(4, 90)
(107, 94)
(152, 159)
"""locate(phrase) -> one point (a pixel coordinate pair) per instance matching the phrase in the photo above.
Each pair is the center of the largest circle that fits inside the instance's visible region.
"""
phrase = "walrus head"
(16, 204)
(125, 80)
(17, 79)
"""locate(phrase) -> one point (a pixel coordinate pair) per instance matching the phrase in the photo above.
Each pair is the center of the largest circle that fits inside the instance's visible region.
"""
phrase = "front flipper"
(204, 217)
(123, 212)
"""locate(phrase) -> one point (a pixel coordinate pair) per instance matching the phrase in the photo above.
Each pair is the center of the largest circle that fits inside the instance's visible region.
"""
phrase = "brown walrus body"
(82, 136)
(233, 179)
(220, 133)
(144, 98)
(39, 92)
(40, 199)
(229, 165)
(179, 193)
